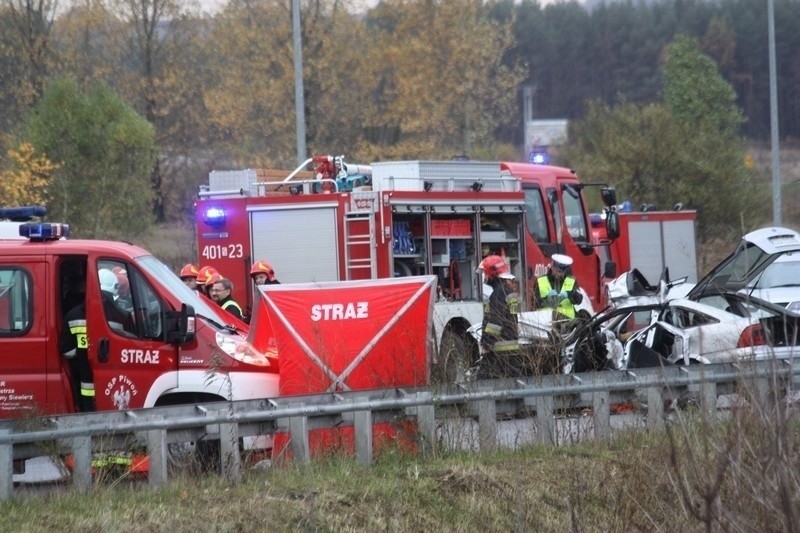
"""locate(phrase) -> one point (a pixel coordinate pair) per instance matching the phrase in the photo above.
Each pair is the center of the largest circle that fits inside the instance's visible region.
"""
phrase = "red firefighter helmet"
(495, 266)
(122, 280)
(262, 267)
(213, 278)
(204, 274)
(189, 271)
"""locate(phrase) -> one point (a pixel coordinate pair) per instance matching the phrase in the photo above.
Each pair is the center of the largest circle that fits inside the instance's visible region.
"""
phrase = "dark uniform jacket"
(500, 329)
(230, 305)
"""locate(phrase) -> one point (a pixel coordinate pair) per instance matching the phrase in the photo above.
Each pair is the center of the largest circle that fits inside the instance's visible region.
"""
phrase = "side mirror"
(179, 326)
(609, 196)
(612, 224)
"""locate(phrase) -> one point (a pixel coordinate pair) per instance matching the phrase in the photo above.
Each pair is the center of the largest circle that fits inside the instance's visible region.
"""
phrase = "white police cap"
(561, 261)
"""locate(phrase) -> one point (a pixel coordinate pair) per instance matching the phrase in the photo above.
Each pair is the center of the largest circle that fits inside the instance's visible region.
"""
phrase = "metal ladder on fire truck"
(360, 244)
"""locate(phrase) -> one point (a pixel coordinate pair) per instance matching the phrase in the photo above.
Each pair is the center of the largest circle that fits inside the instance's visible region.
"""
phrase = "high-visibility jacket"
(230, 305)
(565, 306)
(74, 344)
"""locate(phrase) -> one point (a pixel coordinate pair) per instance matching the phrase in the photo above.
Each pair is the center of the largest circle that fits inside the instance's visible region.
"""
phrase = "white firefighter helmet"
(108, 282)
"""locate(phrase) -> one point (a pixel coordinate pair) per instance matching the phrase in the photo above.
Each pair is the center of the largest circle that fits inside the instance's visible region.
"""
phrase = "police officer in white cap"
(558, 289)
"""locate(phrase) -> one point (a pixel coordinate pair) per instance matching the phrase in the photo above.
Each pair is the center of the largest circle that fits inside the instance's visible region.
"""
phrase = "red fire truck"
(177, 348)
(398, 219)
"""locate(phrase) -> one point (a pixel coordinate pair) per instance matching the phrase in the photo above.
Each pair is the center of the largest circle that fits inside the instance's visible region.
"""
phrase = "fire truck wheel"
(192, 456)
(455, 359)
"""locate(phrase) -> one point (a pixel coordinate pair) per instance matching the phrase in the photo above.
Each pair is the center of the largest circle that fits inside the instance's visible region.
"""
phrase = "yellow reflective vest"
(565, 306)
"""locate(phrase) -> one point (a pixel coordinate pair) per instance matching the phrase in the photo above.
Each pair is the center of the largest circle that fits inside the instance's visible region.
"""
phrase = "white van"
(10, 230)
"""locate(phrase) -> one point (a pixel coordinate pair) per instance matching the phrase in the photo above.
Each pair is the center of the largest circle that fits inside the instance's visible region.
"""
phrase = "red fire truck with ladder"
(402, 218)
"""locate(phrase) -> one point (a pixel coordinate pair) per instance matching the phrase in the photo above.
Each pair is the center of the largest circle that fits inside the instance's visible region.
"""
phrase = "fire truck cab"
(557, 221)
(399, 218)
(176, 347)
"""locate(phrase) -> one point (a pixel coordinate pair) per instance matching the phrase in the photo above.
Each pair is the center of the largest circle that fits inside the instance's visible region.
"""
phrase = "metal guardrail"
(542, 397)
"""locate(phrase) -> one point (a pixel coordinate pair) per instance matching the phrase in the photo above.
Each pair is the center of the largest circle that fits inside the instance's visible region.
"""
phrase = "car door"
(126, 331)
(710, 334)
(30, 366)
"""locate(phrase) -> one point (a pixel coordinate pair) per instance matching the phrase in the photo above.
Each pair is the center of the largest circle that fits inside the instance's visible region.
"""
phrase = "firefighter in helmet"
(262, 273)
(204, 275)
(124, 300)
(189, 274)
(500, 335)
(558, 289)
(74, 345)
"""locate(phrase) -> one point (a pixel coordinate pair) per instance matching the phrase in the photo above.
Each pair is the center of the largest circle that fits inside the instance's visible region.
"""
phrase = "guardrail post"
(426, 424)
(82, 469)
(758, 388)
(6, 468)
(655, 408)
(487, 425)
(362, 422)
(545, 422)
(157, 457)
(298, 432)
(601, 414)
(708, 398)
(230, 458)
(764, 393)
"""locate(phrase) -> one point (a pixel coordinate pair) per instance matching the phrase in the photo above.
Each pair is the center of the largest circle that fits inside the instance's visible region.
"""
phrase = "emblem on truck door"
(121, 389)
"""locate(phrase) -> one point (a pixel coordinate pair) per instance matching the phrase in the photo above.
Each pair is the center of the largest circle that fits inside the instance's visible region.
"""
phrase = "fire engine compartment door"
(300, 243)
(658, 244)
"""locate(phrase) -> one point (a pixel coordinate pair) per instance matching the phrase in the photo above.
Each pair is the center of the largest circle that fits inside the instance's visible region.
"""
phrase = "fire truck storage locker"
(300, 242)
(451, 248)
(657, 240)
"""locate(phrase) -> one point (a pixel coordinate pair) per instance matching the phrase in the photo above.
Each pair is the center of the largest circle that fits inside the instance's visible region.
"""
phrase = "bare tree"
(154, 44)
(33, 21)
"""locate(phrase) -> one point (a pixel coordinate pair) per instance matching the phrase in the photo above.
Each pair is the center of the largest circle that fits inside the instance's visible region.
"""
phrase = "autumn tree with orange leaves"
(27, 179)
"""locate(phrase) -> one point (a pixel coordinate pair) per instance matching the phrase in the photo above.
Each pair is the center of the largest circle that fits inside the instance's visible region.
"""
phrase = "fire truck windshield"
(172, 283)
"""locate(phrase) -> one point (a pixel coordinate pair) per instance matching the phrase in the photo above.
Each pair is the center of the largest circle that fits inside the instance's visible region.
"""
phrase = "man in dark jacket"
(500, 335)
(74, 344)
(221, 289)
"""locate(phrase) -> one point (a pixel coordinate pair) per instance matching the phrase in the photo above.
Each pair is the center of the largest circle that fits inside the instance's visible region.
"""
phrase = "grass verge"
(745, 476)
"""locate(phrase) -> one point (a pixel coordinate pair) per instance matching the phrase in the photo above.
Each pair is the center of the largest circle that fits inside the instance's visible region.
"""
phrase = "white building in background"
(542, 138)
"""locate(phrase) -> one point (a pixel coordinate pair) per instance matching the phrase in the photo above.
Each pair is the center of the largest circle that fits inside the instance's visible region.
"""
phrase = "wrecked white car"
(676, 332)
(728, 327)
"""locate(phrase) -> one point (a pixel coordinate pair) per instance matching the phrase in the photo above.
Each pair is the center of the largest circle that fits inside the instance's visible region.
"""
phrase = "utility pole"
(773, 118)
(527, 116)
(299, 98)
